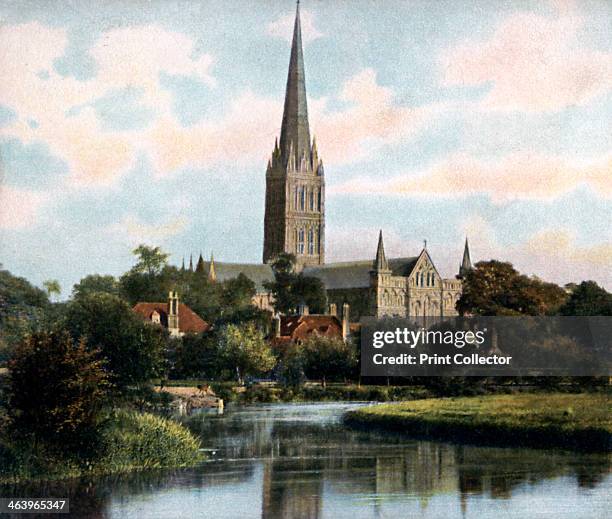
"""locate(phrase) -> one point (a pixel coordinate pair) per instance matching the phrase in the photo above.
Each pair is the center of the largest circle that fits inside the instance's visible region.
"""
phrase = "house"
(175, 316)
(289, 329)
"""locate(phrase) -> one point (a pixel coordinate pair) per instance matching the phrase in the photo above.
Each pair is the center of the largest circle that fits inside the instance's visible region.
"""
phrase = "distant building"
(294, 223)
(176, 317)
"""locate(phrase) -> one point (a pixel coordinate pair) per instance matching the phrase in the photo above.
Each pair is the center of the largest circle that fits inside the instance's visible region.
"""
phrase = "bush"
(57, 389)
(144, 441)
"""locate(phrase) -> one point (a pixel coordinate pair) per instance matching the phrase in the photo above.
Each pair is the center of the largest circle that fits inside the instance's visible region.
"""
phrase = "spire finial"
(424, 244)
(380, 263)
(466, 262)
(295, 115)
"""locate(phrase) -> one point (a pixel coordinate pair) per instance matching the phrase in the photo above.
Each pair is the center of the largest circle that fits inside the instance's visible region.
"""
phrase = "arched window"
(302, 198)
(433, 279)
(311, 204)
(319, 240)
(311, 245)
(295, 205)
(422, 279)
(300, 246)
(319, 200)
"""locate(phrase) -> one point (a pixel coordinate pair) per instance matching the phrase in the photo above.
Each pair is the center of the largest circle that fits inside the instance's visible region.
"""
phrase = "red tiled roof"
(302, 326)
(189, 321)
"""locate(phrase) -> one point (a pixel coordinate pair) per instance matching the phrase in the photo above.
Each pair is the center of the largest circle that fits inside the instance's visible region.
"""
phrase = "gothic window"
(301, 241)
(433, 280)
(302, 198)
(311, 204)
(422, 279)
(311, 245)
(319, 200)
(319, 241)
(295, 205)
(427, 279)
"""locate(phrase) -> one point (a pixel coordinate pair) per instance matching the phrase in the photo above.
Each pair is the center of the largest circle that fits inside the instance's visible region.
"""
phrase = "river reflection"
(299, 461)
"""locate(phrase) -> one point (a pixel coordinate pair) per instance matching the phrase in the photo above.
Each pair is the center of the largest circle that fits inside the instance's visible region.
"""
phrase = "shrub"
(57, 389)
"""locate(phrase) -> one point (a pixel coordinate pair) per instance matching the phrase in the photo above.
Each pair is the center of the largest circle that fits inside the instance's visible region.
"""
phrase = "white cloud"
(533, 63)
(283, 27)
(20, 207)
(516, 176)
(135, 231)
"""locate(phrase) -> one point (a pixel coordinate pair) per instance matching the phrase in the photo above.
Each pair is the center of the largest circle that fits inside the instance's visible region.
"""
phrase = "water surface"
(299, 461)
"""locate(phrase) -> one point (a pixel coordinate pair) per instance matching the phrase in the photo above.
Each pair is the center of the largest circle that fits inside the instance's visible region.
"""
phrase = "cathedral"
(294, 222)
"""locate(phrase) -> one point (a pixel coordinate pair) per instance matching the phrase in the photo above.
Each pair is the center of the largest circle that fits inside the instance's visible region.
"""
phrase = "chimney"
(333, 309)
(173, 314)
(276, 321)
(345, 320)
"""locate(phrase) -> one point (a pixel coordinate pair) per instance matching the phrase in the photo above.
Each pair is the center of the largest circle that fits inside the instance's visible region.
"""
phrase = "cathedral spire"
(212, 275)
(191, 262)
(380, 263)
(295, 127)
(466, 263)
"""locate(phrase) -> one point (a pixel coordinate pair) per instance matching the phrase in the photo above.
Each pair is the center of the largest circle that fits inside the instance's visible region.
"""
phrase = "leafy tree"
(291, 289)
(95, 283)
(497, 288)
(133, 348)
(194, 356)
(23, 308)
(588, 298)
(244, 350)
(328, 358)
(237, 293)
(291, 368)
(57, 389)
(52, 287)
(151, 260)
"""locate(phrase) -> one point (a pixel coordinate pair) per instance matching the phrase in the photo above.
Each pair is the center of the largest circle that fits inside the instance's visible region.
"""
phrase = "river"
(299, 461)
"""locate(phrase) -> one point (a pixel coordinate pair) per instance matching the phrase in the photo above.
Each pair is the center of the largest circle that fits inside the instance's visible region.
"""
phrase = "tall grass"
(576, 421)
(130, 441)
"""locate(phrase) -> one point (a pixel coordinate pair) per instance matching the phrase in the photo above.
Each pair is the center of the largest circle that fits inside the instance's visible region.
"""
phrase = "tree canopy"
(588, 298)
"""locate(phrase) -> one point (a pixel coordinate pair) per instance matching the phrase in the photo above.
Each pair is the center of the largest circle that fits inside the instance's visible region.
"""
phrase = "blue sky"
(151, 121)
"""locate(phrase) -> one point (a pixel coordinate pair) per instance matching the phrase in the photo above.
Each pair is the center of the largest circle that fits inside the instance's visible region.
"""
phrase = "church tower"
(294, 219)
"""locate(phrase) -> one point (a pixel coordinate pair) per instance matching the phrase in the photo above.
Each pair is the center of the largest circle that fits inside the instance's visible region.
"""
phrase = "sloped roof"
(356, 274)
(295, 327)
(189, 321)
(257, 273)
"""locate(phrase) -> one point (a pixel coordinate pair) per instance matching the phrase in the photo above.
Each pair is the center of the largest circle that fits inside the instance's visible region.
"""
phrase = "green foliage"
(129, 441)
(291, 368)
(497, 288)
(57, 389)
(525, 419)
(194, 356)
(588, 298)
(133, 349)
(22, 310)
(151, 260)
(95, 283)
(328, 359)
(244, 350)
(291, 289)
(146, 441)
(52, 287)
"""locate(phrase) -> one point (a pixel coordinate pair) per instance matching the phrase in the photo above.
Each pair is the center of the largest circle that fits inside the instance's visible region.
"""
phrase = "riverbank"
(573, 421)
(130, 441)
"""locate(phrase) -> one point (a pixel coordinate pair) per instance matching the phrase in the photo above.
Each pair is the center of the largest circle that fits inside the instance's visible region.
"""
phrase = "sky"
(152, 122)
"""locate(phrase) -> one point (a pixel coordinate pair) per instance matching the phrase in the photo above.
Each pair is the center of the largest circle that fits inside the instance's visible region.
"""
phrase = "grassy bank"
(130, 441)
(574, 421)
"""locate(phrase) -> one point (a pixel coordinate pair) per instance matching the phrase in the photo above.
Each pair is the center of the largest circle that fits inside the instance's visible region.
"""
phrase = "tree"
(151, 260)
(194, 356)
(244, 350)
(52, 287)
(23, 308)
(290, 289)
(95, 283)
(588, 298)
(238, 292)
(328, 358)
(497, 288)
(57, 389)
(133, 348)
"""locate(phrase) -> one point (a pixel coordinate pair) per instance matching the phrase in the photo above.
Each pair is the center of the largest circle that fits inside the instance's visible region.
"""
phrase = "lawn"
(576, 421)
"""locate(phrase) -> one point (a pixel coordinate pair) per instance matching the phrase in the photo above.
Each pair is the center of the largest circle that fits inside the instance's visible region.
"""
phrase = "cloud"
(283, 27)
(516, 176)
(125, 58)
(20, 207)
(372, 119)
(533, 63)
(552, 254)
(135, 231)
